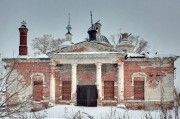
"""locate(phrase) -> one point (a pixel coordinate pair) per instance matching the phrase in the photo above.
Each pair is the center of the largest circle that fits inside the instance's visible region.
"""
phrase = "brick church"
(92, 73)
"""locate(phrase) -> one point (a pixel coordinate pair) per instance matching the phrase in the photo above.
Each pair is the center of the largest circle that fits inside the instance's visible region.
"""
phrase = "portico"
(96, 60)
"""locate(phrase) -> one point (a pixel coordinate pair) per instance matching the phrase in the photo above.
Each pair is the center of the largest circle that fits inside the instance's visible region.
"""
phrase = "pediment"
(87, 47)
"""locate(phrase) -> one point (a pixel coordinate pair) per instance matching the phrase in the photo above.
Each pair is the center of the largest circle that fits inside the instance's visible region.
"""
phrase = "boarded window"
(109, 90)
(66, 90)
(138, 90)
(38, 91)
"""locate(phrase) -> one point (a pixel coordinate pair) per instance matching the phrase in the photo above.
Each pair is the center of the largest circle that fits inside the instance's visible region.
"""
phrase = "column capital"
(74, 64)
(120, 63)
(98, 63)
(53, 63)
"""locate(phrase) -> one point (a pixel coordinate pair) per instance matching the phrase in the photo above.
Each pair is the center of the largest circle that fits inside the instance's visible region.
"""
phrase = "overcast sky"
(157, 21)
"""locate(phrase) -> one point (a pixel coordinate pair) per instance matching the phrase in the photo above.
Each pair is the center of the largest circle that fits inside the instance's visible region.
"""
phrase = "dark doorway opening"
(87, 95)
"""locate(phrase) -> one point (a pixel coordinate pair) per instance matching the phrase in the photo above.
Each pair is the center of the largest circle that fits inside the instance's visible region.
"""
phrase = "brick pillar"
(121, 81)
(99, 82)
(74, 83)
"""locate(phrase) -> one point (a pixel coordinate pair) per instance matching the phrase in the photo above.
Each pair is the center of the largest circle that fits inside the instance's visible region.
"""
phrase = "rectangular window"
(109, 90)
(138, 90)
(38, 91)
(66, 90)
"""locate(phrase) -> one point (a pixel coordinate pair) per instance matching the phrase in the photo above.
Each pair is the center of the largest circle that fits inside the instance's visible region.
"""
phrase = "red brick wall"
(63, 73)
(86, 74)
(153, 73)
(109, 73)
(82, 49)
(26, 69)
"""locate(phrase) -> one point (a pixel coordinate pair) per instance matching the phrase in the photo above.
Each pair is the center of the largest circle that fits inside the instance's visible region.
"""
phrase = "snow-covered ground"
(69, 111)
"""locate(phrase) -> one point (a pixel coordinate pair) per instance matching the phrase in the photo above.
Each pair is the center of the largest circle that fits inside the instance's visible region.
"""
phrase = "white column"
(121, 81)
(52, 84)
(52, 88)
(98, 80)
(74, 82)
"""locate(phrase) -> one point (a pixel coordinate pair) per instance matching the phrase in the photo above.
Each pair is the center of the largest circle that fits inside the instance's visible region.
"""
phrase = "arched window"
(37, 81)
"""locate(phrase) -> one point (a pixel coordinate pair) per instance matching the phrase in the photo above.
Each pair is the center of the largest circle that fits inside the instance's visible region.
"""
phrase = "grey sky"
(157, 21)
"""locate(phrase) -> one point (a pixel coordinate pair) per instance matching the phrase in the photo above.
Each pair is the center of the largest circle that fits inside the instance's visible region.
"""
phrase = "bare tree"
(113, 40)
(55, 44)
(139, 43)
(46, 43)
(16, 100)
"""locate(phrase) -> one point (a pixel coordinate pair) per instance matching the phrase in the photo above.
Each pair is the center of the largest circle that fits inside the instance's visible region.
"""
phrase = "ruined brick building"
(94, 73)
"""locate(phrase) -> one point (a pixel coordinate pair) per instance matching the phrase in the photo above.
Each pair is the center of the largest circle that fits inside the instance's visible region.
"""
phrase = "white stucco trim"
(98, 79)
(38, 74)
(121, 81)
(74, 82)
(52, 89)
(139, 74)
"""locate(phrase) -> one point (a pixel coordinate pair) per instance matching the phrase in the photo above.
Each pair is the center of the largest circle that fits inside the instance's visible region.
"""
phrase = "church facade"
(92, 73)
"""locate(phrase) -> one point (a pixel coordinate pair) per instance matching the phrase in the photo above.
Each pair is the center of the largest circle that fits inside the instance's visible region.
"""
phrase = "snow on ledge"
(146, 55)
(31, 57)
(161, 55)
(134, 55)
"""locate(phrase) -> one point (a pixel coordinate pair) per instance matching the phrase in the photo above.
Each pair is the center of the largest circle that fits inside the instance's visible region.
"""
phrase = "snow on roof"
(161, 55)
(67, 43)
(134, 55)
(156, 55)
(88, 53)
(30, 57)
(149, 55)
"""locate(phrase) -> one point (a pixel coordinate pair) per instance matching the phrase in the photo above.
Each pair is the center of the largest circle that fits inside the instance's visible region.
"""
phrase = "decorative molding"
(98, 46)
(86, 56)
(38, 74)
(139, 74)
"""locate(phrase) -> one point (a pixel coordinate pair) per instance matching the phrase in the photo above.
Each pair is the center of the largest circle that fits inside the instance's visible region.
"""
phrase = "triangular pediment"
(88, 49)
(86, 46)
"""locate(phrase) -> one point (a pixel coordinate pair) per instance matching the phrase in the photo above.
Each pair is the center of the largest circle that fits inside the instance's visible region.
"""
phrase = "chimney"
(125, 36)
(23, 50)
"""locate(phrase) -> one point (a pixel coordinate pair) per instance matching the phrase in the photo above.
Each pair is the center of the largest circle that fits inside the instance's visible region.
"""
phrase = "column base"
(73, 102)
(99, 102)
